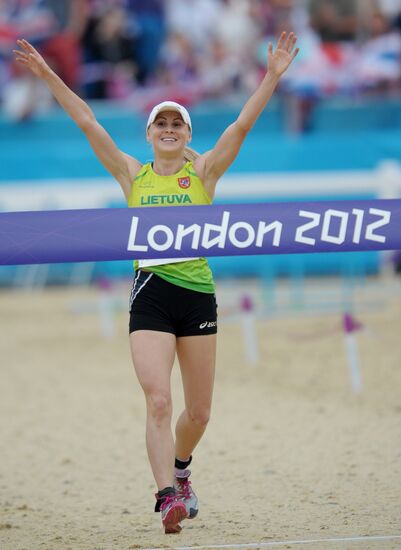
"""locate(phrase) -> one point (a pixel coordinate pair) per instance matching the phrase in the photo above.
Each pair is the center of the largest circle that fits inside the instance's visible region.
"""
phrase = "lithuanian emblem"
(184, 183)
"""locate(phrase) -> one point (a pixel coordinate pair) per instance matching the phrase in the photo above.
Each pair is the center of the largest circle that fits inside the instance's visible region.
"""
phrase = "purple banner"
(193, 231)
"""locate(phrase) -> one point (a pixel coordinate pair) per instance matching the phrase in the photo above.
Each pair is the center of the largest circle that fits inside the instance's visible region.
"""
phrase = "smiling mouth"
(169, 139)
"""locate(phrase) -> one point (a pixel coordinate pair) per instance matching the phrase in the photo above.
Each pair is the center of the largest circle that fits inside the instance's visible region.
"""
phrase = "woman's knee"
(159, 405)
(199, 415)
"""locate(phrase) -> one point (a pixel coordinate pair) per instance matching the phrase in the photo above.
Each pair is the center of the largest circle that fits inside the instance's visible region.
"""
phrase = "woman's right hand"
(31, 58)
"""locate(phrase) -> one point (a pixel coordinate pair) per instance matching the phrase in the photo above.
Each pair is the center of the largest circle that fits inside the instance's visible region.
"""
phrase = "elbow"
(86, 122)
(242, 128)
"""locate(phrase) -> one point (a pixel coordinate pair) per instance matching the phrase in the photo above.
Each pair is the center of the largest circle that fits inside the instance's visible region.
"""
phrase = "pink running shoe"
(185, 492)
(172, 511)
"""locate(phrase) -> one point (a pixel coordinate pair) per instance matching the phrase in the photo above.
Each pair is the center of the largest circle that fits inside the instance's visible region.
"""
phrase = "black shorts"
(156, 304)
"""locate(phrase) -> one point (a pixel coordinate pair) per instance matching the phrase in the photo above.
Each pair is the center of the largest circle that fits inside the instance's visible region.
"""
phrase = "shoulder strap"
(143, 171)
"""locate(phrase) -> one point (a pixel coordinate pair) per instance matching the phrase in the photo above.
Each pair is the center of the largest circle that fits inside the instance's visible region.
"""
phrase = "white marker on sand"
(350, 326)
(249, 330)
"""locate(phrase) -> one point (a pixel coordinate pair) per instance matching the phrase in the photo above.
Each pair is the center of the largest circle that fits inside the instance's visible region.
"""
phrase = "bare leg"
(153, 356)
(197, 357)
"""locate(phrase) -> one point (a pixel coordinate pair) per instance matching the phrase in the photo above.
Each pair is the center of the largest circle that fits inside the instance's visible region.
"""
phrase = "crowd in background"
(143, 51)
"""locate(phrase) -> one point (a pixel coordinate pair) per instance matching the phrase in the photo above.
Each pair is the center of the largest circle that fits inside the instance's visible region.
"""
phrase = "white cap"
(169, 106)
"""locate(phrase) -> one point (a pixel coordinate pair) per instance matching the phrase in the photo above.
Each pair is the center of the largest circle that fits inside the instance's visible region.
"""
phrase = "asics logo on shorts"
(208, 324)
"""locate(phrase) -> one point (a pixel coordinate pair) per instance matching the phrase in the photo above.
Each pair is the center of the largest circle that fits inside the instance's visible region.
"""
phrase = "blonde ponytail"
(190, 155)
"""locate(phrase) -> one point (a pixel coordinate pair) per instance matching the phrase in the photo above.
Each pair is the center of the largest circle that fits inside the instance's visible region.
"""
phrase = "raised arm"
(121, 166)
(214, 163)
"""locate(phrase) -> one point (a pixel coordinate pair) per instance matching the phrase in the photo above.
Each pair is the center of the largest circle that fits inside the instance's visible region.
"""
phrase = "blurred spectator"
(236, 38)
(392, 8)
(238, 29)
(33, 20)
(335, 20)
(179, 60)
(379, 66)
(24, 95)
(194, 18)
(221, 72)
(62, 50)
(147, 20)
(389, 8)
(109, 48)
(274, 16)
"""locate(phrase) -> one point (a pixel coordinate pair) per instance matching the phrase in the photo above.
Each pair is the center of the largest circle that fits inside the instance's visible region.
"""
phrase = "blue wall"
(353, 137)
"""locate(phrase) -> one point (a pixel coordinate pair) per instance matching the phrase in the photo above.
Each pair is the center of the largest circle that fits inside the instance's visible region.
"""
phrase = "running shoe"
(186, 493)
(173, 511)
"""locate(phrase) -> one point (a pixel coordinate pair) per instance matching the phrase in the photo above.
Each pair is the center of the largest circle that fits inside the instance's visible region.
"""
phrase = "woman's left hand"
(281, 58)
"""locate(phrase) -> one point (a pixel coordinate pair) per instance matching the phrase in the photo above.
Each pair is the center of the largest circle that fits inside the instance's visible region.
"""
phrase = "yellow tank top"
(181, 189)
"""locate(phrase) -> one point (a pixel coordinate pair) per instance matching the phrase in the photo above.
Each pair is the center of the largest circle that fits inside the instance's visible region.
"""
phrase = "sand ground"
(291, 451)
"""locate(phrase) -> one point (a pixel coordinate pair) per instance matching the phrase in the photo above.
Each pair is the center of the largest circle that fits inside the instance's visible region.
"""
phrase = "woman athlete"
(172, 306)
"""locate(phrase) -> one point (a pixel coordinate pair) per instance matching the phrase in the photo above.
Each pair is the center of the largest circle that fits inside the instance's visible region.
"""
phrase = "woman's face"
(169, 134)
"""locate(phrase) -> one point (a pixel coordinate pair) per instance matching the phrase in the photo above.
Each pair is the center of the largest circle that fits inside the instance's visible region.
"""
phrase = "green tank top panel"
(184, 188)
